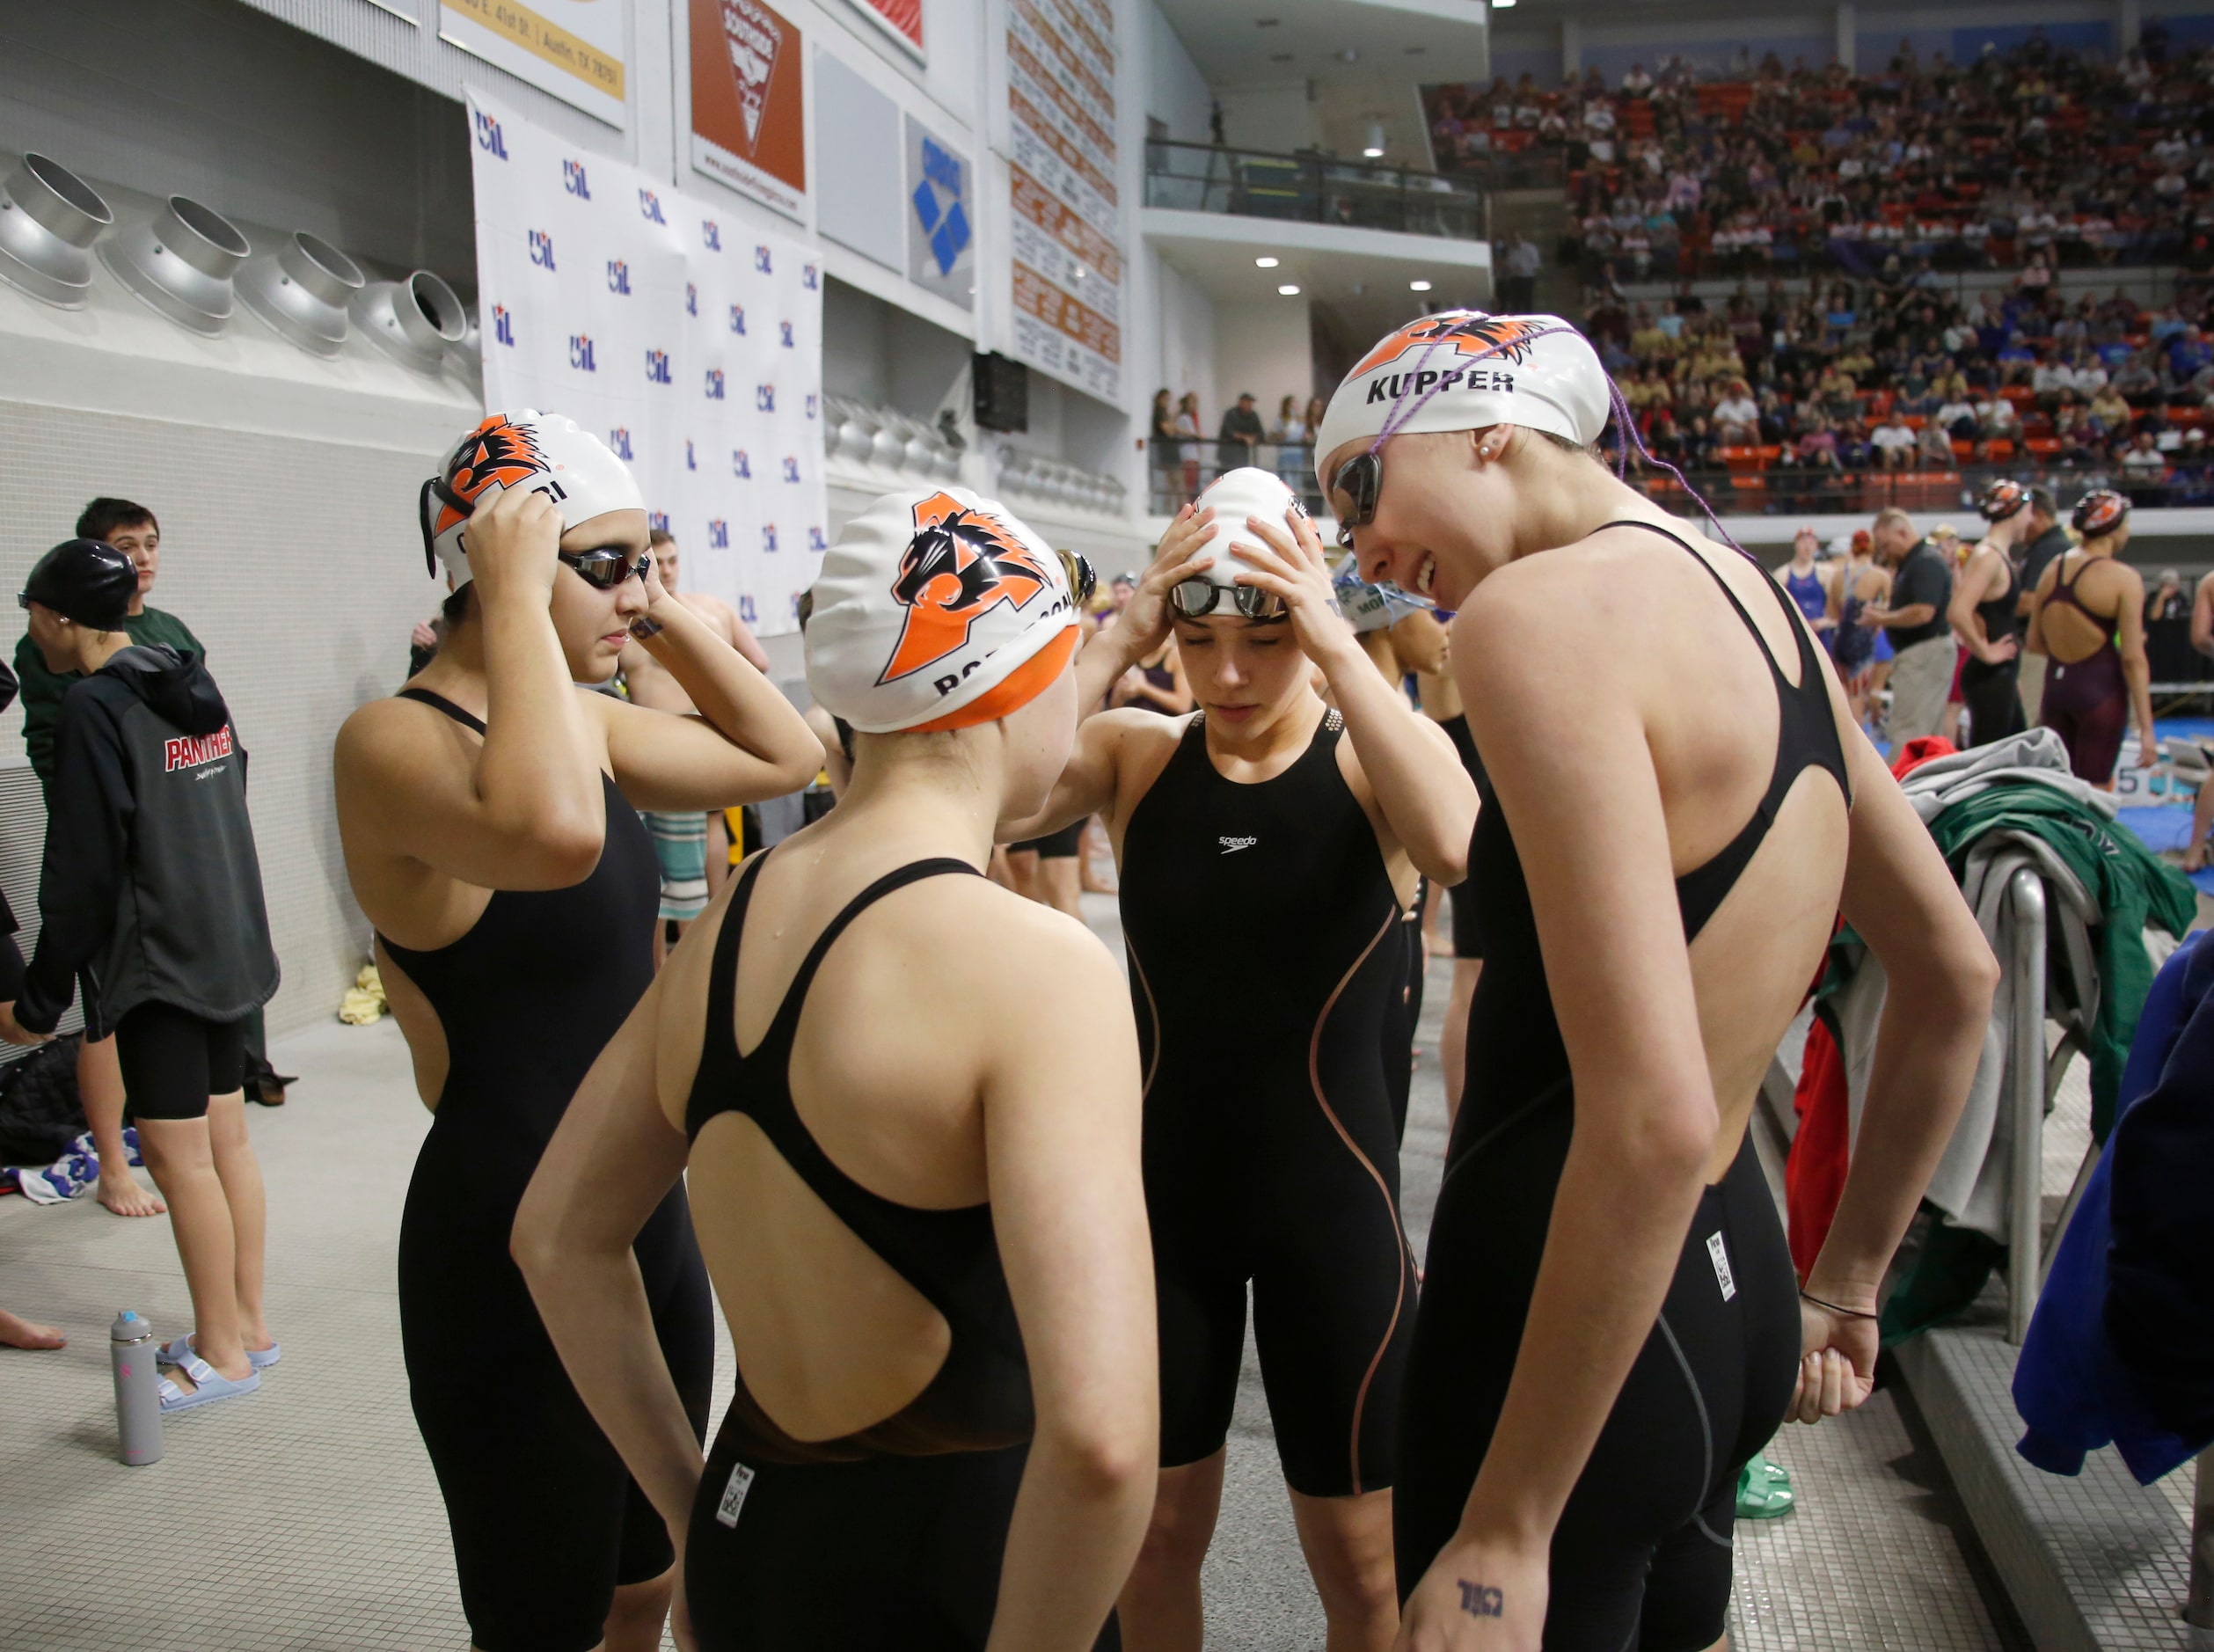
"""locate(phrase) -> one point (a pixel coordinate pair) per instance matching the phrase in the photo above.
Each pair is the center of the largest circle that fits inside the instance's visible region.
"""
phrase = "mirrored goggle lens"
(1082, 581)
(1353, 489)
(605, 569)
(1195, 599)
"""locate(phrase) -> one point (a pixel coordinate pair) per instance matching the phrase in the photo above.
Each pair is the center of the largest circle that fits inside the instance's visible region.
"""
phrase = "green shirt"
(42, 689)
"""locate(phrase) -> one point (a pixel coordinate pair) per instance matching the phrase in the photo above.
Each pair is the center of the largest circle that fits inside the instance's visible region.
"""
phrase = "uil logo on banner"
(489, 138)
(816, 541)
(717, 534)
(650, 206)
(691, 299)
(763, 262)
(618, 441)
(738, 319)
(791, 470)
(657, 367)
(581, 356)
(746, 610)
(657, 521)
(769, 535)
(741, 466)
(714, 384)
(785, 327)
(573, 180)
(764, 397)
(690, 463)
(813, 404)
(808, 278)
(711, 235)
(542, 248)
(619, 277)
(503, 325)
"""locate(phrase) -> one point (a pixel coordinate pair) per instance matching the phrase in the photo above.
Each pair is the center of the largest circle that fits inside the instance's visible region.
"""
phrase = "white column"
(1848, 32)
(1571, 47)
(2126, 22)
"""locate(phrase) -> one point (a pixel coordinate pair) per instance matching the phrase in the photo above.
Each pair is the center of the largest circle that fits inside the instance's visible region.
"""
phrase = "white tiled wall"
(299, 564)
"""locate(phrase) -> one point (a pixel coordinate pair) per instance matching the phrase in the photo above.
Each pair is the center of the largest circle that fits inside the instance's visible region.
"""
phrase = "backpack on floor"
(40, 1112)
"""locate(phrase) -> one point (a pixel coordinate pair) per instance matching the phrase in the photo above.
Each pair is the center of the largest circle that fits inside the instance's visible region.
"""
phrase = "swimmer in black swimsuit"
(489, 818)
(914, 1165)
(2089, 699)
(1268, 849)
(1984, 618)
(1607, 1326)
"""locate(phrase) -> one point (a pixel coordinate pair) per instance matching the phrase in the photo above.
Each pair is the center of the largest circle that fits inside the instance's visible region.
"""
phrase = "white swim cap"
(1462, 369)
(937, 610)
(544, 453)
(1233, 496)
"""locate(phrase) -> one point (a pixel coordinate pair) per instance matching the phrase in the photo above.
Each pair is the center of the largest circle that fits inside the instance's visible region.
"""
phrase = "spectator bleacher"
(1919, 300)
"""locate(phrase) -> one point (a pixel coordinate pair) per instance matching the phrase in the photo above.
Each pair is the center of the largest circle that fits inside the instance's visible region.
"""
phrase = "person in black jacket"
(15, 1330)
(150, 897)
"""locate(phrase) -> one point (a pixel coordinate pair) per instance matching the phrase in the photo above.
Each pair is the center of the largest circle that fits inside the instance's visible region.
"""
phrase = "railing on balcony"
(1176, 472)
(1311, 189)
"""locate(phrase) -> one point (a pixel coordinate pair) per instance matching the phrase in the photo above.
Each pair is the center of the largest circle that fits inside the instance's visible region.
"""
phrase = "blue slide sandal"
(208, 1385)
(261, 1359)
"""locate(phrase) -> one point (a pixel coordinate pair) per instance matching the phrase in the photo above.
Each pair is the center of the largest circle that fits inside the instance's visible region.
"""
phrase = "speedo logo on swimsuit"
(189, 751)
(1231, 846)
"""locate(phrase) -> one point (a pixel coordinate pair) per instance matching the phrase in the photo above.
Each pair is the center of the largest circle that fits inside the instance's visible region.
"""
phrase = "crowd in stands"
(1185, 459)
(2034, 157)
(1844, 382)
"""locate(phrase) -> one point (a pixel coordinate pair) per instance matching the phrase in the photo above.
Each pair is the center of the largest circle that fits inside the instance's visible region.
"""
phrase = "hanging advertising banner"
(750, 117)
(902, 19)
(941, 236)
(691, 345)
(572, 49)
(1066, 273)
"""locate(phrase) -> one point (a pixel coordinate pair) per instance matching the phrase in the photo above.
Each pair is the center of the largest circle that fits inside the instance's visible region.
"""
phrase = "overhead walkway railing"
(1312, 188)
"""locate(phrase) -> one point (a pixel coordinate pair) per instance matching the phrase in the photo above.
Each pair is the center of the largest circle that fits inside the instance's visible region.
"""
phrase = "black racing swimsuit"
(1990, 692)
(892, 1535)
(1468, 940)
(1641, 1556)
(545, 1520)
(1266, 948)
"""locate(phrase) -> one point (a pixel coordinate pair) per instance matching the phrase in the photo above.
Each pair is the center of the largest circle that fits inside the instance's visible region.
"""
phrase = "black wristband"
(1850, 1313)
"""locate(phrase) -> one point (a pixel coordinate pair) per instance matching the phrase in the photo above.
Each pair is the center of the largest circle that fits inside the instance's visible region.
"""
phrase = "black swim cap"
(85, 579)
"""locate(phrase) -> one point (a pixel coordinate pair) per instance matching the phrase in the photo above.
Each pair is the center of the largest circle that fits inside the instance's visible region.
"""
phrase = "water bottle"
(132, 1351)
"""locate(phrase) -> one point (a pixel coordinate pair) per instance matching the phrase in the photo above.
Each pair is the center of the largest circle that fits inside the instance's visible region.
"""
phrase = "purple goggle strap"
(1625, 423)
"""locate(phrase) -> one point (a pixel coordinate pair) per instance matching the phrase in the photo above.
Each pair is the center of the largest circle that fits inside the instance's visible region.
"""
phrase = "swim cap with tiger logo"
(936, 610)
(545, 452)
(1466, 370)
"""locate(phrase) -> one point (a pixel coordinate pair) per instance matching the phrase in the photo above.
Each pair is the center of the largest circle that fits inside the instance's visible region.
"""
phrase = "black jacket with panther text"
(150, 889)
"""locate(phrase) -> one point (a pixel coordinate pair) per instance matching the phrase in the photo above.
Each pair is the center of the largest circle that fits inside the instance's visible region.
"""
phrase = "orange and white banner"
(902, 19)
(1065, 276)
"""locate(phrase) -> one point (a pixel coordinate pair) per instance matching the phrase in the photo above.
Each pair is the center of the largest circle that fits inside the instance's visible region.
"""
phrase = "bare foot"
(121, 1193)
(16, 1332)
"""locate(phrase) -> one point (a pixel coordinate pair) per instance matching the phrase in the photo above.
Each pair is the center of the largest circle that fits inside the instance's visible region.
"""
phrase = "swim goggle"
(607, 568)
(1360, 479)
(1195, 599)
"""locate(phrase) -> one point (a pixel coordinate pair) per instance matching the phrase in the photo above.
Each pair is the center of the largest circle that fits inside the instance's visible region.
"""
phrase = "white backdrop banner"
(692, 344)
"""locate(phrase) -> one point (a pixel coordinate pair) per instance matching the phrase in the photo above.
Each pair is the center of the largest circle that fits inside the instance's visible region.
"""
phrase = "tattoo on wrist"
(1480, 1600)
(646, 626)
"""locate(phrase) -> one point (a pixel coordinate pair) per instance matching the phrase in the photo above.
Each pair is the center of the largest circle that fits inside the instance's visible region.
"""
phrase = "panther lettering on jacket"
(189, 751)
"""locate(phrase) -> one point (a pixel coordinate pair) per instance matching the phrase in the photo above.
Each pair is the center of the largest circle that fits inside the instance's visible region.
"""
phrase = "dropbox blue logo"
(939, 205)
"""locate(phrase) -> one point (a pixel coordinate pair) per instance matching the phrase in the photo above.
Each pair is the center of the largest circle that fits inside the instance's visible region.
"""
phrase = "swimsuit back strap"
(440, 703)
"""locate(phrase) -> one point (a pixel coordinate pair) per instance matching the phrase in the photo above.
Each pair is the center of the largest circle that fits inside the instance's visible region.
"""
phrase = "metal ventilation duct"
(302, 292)
(414, 319)
(180, 262)
(49, 217)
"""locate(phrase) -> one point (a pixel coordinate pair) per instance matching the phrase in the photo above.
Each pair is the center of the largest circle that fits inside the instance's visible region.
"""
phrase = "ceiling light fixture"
(1418, 287)
(1288, 290)
(1350, 56)
(1503, 6)
(1373, 148)
(1264, 263)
